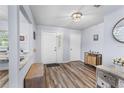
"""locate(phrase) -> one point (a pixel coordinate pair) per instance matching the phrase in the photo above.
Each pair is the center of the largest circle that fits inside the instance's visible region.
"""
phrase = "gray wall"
(106, 45)
(112, 48)
(87, 39)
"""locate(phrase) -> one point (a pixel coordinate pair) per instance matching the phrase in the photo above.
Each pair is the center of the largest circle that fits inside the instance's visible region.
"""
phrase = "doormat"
(53, 65)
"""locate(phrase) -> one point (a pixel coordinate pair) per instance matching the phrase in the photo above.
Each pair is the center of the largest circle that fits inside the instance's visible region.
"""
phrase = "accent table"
(111, 76)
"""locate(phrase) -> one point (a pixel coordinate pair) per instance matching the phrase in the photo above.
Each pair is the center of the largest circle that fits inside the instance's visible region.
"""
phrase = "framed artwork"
(95, 37)
(22, 38)
(34, 35)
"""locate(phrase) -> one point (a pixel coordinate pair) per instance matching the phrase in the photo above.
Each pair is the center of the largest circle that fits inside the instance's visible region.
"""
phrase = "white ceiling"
(59, 15)
(4, 14)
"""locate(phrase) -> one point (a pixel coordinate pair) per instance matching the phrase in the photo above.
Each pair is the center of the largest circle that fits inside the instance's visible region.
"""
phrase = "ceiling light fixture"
(76, 17)
(97, 6)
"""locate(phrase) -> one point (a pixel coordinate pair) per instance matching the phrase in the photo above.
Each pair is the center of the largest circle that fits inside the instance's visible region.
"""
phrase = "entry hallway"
(70, 75)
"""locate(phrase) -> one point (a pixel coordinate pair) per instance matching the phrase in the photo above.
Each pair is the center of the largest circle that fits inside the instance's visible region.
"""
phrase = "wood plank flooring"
(70, 75)
(3, 78)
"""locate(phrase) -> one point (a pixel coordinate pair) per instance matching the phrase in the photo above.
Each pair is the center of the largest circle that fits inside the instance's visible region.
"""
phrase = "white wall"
(24, 31)
(106, 45)
(87, 39)
(30, 16)
(66, 41)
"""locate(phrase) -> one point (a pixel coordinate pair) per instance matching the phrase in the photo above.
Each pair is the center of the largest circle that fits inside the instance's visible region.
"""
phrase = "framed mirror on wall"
(25, 36)
(4, 47)
(20, 44)
(118, 31)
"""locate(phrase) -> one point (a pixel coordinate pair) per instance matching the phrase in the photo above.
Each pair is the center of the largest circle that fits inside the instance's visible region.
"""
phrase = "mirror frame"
(114, 28)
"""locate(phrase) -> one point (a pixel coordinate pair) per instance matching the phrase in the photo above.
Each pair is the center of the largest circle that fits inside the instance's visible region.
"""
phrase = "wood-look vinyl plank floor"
(70, 75)
(3, 78)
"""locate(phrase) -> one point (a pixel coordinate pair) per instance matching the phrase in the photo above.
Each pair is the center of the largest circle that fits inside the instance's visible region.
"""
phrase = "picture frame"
(95, 37)
(22, 38)
(34, 35)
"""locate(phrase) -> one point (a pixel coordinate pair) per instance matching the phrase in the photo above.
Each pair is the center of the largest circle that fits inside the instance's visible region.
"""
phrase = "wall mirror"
(25, 35)
(4, 47)
(118, 31)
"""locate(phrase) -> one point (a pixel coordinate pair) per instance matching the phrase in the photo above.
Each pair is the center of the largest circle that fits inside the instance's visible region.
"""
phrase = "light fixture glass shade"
(76, 17)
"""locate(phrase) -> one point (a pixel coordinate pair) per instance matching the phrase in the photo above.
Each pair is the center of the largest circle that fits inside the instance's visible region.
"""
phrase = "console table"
(110, 76)
(92, 59)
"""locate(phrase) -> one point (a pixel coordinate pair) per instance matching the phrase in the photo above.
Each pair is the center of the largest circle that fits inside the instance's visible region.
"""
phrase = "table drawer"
(107, 77)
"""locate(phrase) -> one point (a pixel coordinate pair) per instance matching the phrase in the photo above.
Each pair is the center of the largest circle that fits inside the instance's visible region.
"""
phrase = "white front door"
(75, 46)
(51, 48)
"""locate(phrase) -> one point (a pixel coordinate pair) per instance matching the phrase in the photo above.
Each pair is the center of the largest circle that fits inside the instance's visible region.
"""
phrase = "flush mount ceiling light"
(76, 17)
(97, 6)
